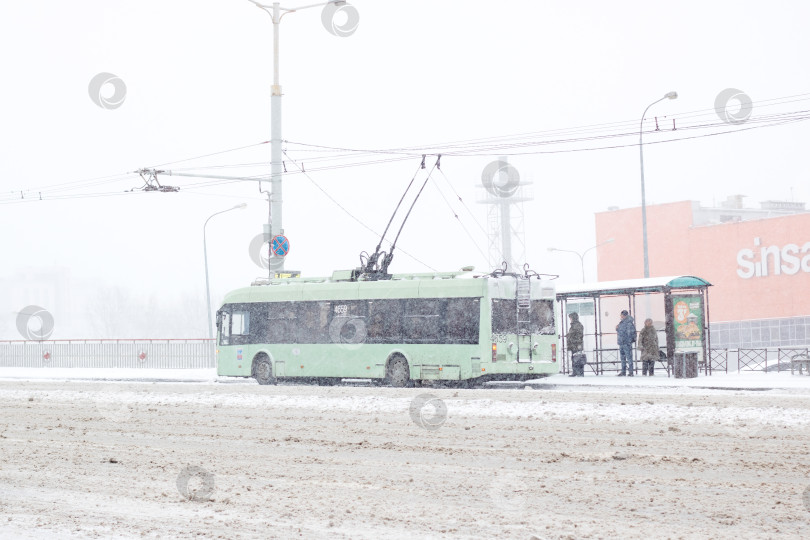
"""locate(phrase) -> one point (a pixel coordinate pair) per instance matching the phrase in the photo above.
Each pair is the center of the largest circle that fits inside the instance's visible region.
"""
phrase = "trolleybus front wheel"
(263, 370)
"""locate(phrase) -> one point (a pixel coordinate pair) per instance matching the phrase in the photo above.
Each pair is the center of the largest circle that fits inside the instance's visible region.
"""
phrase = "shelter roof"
(631, 286)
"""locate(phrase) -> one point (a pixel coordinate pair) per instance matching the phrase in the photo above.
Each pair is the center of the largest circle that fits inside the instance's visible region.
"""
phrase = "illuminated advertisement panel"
(687, 319)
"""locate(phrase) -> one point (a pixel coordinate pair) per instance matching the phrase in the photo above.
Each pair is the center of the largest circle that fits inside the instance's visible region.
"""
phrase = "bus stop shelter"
(678, 306)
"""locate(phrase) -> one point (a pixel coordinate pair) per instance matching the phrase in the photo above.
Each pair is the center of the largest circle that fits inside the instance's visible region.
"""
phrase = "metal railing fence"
(200, 354)
(756, 358)
(721, 360)
(718, 360)
(110, 353)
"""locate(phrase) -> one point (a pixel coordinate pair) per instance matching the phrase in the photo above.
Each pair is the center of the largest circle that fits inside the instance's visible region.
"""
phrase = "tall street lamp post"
(205, 255)
(669, 95)
(277, 12)
(582, 255)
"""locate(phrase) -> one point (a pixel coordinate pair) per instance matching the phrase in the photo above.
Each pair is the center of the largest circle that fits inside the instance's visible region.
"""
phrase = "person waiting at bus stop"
(626, 336)
(648, 343)
(575, 337)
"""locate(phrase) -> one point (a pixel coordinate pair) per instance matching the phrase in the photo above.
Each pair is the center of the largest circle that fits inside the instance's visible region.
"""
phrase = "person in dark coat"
(648, 343)
(626, 336)
(575, 337)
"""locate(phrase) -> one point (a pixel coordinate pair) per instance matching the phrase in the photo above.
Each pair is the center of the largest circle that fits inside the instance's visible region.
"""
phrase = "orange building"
(758, 261)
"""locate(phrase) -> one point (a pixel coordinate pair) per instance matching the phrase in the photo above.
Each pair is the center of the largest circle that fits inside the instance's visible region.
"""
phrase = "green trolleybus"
(406, 330)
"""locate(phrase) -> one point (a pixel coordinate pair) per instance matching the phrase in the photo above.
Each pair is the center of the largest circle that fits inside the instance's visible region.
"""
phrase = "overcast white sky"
(414, 74)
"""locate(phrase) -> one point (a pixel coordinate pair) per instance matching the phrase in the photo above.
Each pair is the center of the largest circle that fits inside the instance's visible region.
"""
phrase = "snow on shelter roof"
(630, 286)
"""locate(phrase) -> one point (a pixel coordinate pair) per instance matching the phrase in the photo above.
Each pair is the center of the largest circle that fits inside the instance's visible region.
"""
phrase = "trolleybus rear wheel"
(398, 372)
(263, 370)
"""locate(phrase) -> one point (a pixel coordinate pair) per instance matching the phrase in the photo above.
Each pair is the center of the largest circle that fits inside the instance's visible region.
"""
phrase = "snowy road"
(103, 459)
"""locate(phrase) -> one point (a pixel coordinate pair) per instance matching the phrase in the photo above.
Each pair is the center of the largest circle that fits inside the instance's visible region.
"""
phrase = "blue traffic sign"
(280, 245)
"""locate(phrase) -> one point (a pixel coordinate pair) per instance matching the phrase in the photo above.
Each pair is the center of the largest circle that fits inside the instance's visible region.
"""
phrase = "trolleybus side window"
(384, 322)
(421, 322)
(282, 322)
(348, 323)
(461, 321)
(314, 322)
(240, 323)
(413, 320)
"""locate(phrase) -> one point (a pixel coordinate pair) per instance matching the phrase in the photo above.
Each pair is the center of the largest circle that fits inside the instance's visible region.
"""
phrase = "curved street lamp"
(668, 95)
(582, 255)
(205, 255)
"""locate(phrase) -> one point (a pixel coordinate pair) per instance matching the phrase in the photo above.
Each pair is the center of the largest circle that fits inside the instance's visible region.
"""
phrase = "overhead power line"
(347, 212)
(688, 125)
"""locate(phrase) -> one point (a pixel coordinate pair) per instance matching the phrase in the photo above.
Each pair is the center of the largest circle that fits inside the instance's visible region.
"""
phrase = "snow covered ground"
(744, 380)
(182, 453)
(45, 373)
(747, 379)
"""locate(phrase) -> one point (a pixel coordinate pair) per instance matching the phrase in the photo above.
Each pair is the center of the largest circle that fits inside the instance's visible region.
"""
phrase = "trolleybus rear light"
(553, 352)
(494, 351)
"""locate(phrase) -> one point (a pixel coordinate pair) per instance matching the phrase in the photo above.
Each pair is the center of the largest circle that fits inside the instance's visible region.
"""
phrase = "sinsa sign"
(773, 260)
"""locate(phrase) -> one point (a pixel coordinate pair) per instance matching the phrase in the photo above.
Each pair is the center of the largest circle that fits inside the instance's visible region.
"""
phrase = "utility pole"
(274, 219)
(274, 225)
